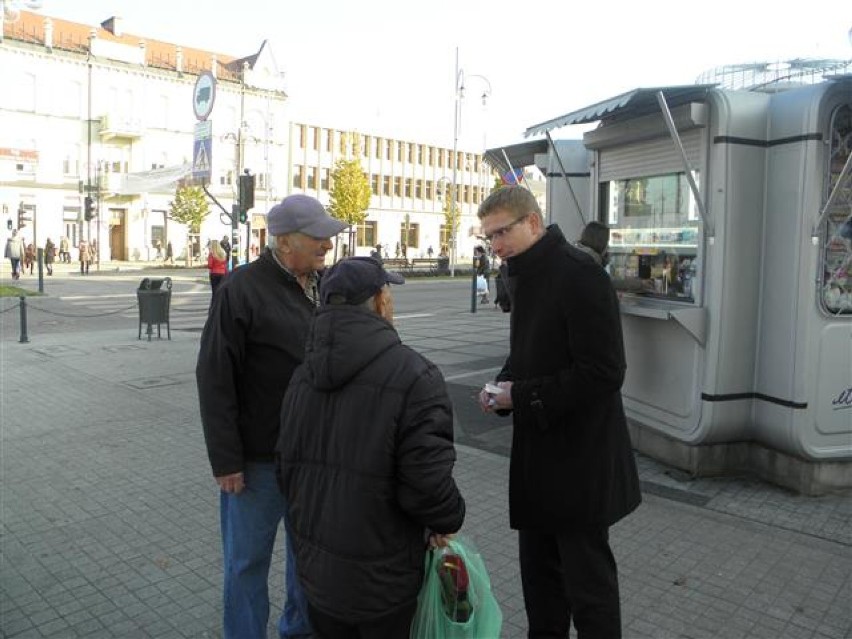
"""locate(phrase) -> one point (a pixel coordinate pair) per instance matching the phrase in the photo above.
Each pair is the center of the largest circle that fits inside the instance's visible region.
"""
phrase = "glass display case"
(837, 242)
(653, 246)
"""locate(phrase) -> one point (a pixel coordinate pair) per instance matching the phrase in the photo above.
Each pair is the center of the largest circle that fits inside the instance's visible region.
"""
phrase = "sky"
(389, 66)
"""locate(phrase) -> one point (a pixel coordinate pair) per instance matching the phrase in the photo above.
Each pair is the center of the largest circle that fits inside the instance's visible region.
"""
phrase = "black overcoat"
(572, 463)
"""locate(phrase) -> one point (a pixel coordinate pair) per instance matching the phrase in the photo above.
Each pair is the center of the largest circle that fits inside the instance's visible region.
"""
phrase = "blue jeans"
(249, 524)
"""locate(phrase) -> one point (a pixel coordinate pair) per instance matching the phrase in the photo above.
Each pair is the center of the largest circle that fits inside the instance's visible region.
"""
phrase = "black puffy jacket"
(365, 461)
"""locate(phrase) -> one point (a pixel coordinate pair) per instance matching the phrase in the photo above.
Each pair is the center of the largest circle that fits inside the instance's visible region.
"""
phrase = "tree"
(350, 194)
(189, 207)
(452, 216)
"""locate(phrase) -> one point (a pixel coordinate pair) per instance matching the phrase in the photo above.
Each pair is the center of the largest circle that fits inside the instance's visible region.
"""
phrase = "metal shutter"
(650, 157)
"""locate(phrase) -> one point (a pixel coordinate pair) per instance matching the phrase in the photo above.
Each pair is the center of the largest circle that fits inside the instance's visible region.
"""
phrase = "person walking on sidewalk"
(217, 265)
(49, 255)
(64, 253)
(252, 341)
(170, 254)
(572, 472)
(15, 253)
(29, 257)
(373, 478)
(483, 271)
(85, 256)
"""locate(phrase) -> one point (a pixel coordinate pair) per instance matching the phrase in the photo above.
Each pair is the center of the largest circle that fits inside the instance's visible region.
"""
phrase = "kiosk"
(730, 215)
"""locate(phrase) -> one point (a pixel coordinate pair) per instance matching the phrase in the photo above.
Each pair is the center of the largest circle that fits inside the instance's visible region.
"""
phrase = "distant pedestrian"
(170, 253)
(376, 254)
(430, 252)
(217, 264)
(159, 245)
(483, 272)
(29, 257)
(226, 246)
(15, 253)
(49, 254)
(85, 256)
(64, 253)
(594, 241)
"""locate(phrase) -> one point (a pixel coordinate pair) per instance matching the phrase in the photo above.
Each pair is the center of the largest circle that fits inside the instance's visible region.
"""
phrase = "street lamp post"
(454, 213)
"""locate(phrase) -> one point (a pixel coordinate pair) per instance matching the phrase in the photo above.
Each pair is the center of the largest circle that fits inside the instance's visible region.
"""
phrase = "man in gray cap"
(366, 460)
(253, 340)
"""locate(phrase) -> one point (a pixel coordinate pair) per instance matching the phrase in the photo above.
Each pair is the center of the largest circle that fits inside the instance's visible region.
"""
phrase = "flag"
(513, 177)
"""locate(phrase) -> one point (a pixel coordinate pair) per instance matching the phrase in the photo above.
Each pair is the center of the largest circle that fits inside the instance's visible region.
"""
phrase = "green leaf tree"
(350, 192)
(189, 207)
(452, 217)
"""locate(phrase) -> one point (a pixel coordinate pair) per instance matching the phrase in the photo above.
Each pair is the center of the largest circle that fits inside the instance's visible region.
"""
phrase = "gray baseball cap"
(301, 213)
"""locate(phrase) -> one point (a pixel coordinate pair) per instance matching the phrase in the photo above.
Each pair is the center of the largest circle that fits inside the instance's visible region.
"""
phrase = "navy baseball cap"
(304, 214)
(354, 280)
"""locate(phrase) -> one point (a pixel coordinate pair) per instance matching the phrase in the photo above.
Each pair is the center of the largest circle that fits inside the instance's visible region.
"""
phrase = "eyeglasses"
(500, 233)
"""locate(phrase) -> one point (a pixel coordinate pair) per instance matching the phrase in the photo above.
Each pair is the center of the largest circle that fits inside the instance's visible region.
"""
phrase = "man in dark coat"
(572, 471)
(366, 456)
(253, 340)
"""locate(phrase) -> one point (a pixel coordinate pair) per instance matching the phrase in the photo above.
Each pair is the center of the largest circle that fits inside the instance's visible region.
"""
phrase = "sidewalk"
(110, 516)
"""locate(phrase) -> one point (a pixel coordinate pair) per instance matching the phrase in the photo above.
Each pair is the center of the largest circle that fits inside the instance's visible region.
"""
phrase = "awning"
(632, 103)
(520, 155)
(156, 180)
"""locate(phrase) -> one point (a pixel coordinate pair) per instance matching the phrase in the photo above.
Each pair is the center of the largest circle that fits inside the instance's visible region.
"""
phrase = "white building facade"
(98, 112)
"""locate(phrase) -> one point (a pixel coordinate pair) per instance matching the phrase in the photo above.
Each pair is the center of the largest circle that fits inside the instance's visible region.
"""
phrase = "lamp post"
(459, 96)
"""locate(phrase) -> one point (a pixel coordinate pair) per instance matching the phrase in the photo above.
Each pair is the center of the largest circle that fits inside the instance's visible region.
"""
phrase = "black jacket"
(253, 340)
(366, 457)
(572, 463)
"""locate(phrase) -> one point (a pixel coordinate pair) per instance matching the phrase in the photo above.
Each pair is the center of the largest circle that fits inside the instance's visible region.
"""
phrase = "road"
(107, 300)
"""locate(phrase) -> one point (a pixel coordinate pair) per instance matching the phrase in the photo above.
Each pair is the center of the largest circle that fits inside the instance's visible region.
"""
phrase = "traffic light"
(21, 216)
(9, 224)
(246, 195)
(89, 208)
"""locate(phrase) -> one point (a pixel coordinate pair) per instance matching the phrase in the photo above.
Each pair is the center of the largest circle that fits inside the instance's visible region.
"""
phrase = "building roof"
(74, 37)
(632, 103)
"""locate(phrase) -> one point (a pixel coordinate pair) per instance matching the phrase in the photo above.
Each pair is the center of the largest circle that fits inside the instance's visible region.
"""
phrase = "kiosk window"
(837, 252)
(653, 246)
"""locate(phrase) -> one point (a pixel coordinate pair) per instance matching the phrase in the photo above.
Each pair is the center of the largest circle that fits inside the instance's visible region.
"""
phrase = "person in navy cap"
(365, 460)
(253, 340)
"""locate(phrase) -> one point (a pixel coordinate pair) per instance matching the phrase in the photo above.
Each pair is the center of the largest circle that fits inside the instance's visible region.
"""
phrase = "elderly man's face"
(301, 253)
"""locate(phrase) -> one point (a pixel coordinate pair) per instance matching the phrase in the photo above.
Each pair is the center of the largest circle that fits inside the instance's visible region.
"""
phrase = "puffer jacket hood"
(343, 341)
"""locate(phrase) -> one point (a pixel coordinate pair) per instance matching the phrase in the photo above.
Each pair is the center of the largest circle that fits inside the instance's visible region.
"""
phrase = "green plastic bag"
(455, 601)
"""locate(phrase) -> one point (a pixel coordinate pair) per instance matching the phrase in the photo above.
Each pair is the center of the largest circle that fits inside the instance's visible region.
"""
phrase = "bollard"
(473, 289)
(24, 339)
(41, 270)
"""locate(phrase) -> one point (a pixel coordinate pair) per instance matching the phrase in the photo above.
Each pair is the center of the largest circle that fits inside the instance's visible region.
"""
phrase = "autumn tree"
(350, 194)
(189, 207)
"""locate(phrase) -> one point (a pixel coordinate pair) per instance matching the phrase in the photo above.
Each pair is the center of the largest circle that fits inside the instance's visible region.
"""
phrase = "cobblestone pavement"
(109, 516)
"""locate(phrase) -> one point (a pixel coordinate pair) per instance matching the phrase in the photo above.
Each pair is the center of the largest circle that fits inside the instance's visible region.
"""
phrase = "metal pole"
(24, 338)
(473, 295)
(40, 254)
(453, 247)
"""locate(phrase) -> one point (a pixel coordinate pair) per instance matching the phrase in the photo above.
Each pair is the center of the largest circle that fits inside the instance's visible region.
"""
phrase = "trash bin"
(154, 296)
(443, 265)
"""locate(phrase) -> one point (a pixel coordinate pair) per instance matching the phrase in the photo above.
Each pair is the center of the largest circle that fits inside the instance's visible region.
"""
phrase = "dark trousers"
(569, 576)
(396, 624)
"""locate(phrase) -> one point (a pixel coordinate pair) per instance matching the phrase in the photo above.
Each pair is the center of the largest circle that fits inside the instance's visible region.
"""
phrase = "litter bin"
(154, 296)
(443, 265)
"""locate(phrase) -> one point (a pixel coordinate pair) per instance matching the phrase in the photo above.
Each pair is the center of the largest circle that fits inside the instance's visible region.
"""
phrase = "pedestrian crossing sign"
(202, 152)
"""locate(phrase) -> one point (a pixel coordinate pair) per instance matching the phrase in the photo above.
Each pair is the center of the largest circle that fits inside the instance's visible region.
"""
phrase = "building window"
(409, 234)
(324, 179)
(418, 189)
(367, 232)
(298, 172)
(374, 184)
(302, 135)
(386, 185)
(312, 177)
(412, 153)
(368, 146)
(328, 135)
(387, 149)
(408, 187)
(397, 186)
(71, 162)
(315, 145)
(441, 157)
(400, 151)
